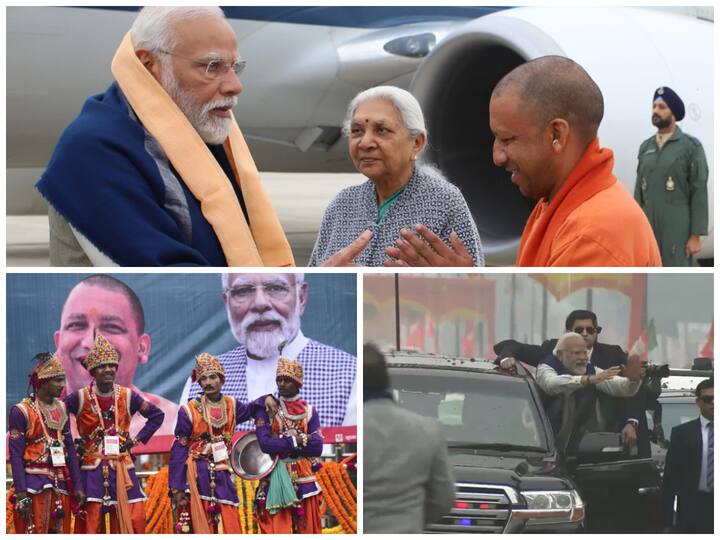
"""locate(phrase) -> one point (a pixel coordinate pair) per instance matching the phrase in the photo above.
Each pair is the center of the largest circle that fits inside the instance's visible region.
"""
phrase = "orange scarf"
(197, 510)
(263, 242)
(592, 174)
(122, 484)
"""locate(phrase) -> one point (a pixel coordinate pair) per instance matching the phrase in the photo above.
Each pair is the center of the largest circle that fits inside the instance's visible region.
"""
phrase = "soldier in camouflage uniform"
(671, 184)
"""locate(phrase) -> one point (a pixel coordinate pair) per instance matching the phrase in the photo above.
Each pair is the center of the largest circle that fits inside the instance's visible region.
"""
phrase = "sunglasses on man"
(707, 399)
(592, 330)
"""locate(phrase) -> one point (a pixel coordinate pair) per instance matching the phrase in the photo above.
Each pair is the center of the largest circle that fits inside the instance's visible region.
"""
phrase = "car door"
(621, 496)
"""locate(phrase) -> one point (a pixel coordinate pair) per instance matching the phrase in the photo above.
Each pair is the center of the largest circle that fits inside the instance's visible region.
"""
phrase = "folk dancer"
(42, 455)
(288, 501)
(202, 487)
(103, 412)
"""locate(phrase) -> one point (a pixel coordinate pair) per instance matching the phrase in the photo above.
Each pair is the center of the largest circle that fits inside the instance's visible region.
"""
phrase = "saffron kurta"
(591, 221)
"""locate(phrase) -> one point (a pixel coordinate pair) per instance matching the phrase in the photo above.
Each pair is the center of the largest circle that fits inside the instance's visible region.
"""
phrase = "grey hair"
(225, 279)
(405, 103)
(560, 345)
(151, 29)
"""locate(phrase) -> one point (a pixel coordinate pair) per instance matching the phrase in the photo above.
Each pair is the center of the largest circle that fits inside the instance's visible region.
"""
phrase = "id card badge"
(57, 455)
(111, 445)
(219, 451)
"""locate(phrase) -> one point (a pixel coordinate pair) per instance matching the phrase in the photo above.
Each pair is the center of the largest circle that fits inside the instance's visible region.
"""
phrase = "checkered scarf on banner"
(329, 376)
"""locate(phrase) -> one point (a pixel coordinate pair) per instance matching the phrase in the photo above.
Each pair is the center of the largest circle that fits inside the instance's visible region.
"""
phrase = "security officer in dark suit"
(689, 469)
(630, 412)
(671, 185)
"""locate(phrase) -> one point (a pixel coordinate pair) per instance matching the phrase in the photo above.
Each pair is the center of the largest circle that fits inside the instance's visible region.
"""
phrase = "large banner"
(184, 315)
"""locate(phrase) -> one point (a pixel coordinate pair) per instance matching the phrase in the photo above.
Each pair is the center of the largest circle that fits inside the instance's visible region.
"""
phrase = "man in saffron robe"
(288, 501)
(155, 171)
(42, 454)
(544, 116)
(103, 413)
(199, 477)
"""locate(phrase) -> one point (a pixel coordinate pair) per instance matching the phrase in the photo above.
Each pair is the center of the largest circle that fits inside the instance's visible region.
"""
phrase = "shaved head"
(556, 87)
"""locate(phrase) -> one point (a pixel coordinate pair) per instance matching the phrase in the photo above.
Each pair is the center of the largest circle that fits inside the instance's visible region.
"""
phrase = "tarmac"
(300, 200)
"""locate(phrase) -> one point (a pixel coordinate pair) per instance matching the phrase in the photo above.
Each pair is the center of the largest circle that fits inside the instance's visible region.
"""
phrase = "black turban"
(672, 100)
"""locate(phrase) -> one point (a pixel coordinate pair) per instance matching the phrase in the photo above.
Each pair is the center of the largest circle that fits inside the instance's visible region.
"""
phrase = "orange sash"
(123, 483)
(592, 174)
(197, 511)
(263, 243)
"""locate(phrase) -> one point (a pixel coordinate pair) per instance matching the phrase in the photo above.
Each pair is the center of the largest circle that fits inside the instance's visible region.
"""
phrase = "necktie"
(710, 458)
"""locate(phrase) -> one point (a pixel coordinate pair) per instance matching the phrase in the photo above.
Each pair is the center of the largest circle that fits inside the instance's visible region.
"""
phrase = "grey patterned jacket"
(427, 199)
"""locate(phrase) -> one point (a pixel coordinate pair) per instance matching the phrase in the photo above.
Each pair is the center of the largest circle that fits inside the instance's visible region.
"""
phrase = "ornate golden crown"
(207, 363)
(102, 353)
(50, 369)
(290, 368)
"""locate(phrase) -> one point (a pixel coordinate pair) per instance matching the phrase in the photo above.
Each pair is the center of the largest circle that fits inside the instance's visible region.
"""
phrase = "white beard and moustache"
(263, 345)
(573, 369)
(212, 130)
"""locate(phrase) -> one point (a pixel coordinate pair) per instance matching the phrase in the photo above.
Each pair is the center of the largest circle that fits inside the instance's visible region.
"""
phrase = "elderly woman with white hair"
(386, 135)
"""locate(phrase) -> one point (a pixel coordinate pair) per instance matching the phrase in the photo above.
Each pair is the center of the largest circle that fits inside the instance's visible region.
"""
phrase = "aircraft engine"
(628, 51)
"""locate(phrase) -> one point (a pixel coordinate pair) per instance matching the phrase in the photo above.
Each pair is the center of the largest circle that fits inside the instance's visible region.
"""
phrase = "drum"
(248, 460)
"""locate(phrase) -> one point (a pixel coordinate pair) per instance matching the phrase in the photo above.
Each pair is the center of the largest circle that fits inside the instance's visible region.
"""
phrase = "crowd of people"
(180, 186)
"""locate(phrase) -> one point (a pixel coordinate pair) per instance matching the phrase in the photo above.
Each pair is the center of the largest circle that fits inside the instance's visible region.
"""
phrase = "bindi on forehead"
(382, 122)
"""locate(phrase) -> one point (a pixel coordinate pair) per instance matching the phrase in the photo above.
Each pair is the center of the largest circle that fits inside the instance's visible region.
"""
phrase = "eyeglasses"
(243, 294)
(707, 399)
(214, 69)
(589, 329)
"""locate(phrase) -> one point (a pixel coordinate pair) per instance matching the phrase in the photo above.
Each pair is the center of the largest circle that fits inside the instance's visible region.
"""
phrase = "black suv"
(509, 476)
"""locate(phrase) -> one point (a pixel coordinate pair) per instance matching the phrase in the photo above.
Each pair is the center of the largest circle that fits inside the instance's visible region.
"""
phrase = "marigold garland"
(9, 518)
(337, 529)
(340, 494)
(342, 483)
(246, 494)
(158, 510)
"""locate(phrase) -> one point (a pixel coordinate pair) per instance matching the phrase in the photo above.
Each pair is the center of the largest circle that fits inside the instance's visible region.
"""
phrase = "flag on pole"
(708, 350)
(646, 341)
(468, 346)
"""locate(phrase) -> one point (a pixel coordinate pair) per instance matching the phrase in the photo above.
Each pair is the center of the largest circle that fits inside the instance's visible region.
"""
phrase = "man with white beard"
(568, 370)
(155, 171)
(264, 312)
(576, 393)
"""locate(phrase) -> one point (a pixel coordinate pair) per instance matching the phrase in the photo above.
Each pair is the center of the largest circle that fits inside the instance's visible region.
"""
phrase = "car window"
(472, 411)
(674, 414)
